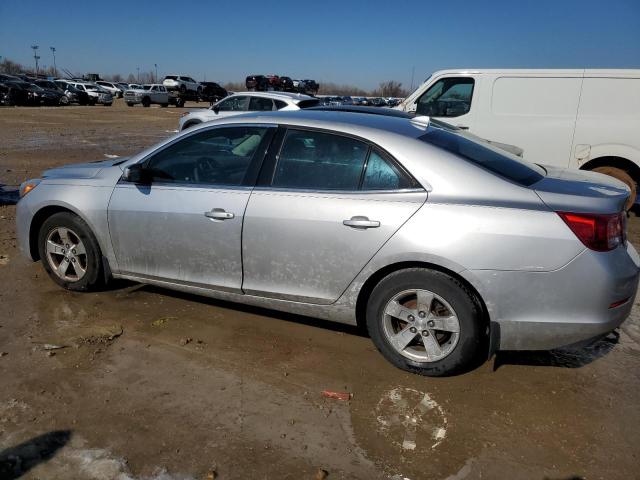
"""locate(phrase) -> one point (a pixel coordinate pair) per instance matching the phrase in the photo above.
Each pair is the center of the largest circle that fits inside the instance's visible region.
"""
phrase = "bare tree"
(391, 88)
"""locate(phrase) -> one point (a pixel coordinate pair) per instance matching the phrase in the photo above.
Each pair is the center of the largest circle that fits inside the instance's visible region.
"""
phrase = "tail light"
(598, 232)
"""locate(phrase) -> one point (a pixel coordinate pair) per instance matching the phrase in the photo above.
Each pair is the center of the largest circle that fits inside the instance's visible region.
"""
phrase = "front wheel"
(426, 322)
(69, 252)
(146, 102)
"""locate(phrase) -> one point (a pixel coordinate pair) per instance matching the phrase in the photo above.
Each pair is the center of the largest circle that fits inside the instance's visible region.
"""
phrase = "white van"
(587, 119)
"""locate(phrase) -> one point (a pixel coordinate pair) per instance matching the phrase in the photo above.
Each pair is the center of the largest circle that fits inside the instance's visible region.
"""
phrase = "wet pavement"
(137, 382)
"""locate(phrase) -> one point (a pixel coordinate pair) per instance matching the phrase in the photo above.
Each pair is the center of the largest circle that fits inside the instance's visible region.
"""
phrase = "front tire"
(70, 253)
(426, 322)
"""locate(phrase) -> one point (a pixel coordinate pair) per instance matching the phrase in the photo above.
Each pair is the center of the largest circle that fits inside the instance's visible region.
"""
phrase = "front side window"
(234, 104)
(219, 156)
(259, 104)
(382, 174)
(319, 161)
(448, 97)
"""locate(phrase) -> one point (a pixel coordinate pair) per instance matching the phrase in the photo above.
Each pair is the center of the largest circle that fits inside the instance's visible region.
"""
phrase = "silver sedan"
(444, 246)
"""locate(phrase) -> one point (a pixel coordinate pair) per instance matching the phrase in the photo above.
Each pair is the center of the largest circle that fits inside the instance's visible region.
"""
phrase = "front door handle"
(462, 127)
(219, 214)
(361, 222)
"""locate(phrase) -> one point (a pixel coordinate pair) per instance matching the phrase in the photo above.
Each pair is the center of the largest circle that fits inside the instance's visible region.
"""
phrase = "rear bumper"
(545, 310)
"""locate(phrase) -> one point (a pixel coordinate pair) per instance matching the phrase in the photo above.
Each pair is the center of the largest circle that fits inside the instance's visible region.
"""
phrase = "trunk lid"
(580, 191)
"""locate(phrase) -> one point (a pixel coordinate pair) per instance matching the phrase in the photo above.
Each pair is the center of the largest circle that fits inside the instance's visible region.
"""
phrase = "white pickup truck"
(146, 95)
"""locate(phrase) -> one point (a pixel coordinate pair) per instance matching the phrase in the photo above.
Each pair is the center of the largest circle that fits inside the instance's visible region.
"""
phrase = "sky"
(359, 43)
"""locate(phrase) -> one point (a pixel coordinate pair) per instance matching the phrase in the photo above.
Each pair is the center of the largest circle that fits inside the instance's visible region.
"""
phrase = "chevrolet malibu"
(445, 247)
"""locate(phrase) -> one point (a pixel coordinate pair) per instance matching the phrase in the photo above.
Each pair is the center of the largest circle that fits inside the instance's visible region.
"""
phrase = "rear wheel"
(129, 104)
(70, 253)
(426, 322)
(146, 102)
(623, 176)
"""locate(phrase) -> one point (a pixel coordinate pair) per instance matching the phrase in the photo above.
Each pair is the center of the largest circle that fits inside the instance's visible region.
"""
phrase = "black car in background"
(11, 93)
(286, 84)
(212, 92)
(257, 83)
(309, 87)
(81, 96)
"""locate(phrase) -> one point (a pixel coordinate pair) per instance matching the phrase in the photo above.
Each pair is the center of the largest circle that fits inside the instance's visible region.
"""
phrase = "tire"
(180, 103)
(129, 104)
(183, 89)
(460, 351)
(146, 102)
(624, 177)
(164, 105)
(78, 233)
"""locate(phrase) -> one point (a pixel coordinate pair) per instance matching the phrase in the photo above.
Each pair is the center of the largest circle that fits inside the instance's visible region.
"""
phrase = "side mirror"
(216, 109)
(136, 173)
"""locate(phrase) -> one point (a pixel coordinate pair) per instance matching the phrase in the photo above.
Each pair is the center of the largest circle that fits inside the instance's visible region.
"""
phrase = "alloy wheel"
(66, 254)
(421, 325)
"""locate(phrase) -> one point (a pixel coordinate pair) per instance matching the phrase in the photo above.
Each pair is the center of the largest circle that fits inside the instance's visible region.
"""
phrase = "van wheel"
(624, 177)
(426, 322)
(70, 253)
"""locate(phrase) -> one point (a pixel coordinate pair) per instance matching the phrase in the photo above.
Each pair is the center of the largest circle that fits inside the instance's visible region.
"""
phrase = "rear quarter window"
(485, 156)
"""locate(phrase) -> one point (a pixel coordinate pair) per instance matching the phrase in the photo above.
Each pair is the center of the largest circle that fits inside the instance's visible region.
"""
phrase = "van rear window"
(485, 155)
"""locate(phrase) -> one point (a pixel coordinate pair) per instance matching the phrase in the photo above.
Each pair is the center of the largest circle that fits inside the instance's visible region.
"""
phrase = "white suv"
(182, 83)
(111, 87)
(243, 102)
(96, 93)
(146, 95)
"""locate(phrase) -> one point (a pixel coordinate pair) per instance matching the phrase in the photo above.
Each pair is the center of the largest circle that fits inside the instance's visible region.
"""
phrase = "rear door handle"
(361, 222)
(219, 214)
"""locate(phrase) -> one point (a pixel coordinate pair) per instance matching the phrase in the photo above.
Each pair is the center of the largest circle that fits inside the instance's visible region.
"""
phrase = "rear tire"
(129, 104)
(455, 352)
(624, 177)
(78, 233)
(146, 102)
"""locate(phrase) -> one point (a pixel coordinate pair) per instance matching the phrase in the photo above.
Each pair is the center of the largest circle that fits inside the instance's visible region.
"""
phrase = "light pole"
(138, 69)
(55, 68)
(35, 56)
(156, 65)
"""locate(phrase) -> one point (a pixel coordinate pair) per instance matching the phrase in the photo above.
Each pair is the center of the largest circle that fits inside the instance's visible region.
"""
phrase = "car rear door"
(185, 226)
(324, 205)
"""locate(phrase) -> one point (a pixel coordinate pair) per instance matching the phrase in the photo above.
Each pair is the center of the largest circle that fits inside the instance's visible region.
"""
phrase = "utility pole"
(55, 68)
(138, 69)
(35, 56)
(156, 65)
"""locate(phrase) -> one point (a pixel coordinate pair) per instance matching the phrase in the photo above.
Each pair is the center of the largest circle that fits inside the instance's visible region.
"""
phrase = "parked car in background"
(12, 93)
(239, 103)
(584, 119)
(378, 102)
(285, 84)
(273, 82)
(43, 96)
(67, 97)
(212, 92)
(257, 83)
(73, 94)
(181, 83)
(364, 188)
(113, 88)
(309, 87)
(147, 95)
(97, 95)
(123, 86)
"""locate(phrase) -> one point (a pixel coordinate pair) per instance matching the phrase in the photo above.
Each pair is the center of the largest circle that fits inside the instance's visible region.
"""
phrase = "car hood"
(581, 191)
(82, 170)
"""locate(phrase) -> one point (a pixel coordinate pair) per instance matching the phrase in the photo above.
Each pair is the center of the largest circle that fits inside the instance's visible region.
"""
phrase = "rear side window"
(319, 161)
(491, 158)
(280, 104)
(309, 103)
(259, 104)
(382, 174)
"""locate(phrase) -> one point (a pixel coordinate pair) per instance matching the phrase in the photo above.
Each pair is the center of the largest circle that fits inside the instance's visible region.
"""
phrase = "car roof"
(347, 122)
(293, 97)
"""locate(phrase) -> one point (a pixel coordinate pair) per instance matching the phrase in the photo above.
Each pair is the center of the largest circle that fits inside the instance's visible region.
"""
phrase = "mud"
(153, 384)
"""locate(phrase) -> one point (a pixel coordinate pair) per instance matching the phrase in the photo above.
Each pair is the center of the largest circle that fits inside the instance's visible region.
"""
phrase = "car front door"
(324, 205)
(185, 224)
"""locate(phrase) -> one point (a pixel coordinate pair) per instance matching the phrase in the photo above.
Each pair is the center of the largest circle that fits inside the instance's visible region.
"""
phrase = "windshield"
(483, 154)
(171, 77)
(91, 88)
(146, 87)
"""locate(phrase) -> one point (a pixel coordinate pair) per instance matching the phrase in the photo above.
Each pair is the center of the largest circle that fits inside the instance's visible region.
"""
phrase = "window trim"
(268, 170)
(250, 176)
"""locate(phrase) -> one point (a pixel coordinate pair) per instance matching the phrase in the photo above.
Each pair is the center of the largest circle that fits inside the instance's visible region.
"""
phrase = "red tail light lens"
(598, 232)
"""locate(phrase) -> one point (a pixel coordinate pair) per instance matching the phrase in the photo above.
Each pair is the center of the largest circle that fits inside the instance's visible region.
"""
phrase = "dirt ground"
(153, 384)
